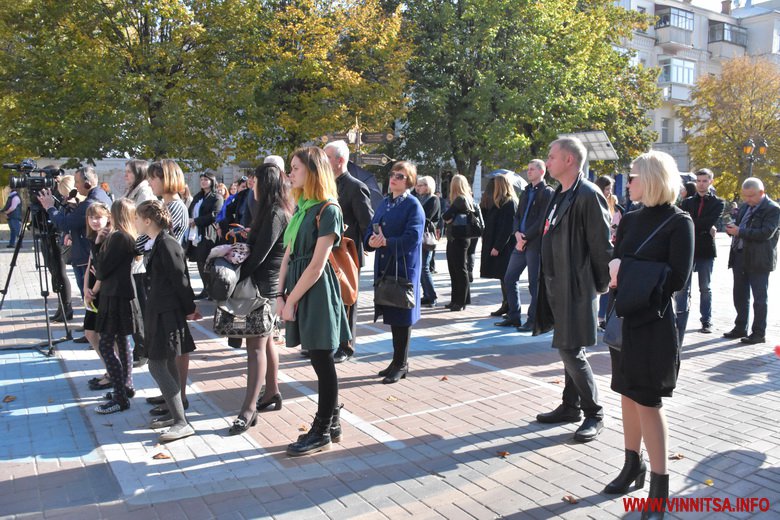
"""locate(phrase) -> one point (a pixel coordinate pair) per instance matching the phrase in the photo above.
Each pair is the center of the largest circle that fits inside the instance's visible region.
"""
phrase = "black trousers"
(457, 263)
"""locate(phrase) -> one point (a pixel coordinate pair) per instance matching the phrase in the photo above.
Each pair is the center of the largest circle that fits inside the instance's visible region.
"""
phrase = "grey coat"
(573, 276)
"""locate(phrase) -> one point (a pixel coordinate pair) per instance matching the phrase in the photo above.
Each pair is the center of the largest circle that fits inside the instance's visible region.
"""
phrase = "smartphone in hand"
(377, 229)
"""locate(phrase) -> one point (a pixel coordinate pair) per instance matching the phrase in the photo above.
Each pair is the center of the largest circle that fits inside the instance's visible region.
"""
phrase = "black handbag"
(394, 291)
(613, 332)
(469, 224)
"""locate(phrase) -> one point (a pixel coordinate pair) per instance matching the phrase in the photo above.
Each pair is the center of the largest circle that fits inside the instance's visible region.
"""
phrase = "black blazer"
(534, 224)
(266, 253)
(212, 204)
(355, 202)
(113, 263)
(759, 237)
(704, 245)
(167, 282)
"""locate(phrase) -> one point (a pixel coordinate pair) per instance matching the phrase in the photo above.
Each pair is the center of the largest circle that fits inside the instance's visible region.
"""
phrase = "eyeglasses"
(398, 176)
(631, 178)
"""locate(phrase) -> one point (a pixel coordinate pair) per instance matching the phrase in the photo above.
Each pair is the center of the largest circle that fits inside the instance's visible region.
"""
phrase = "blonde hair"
(409, 169)
(430, 182)
(320, 184)
(459, 187)
(123, 217)
(171, 175)
(502, 191)
(66, 183)
(222, 190)
(660, 177)
(96, 209)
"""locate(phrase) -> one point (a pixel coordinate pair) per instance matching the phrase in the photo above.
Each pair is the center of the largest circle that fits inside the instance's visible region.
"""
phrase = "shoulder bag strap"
(655, 231)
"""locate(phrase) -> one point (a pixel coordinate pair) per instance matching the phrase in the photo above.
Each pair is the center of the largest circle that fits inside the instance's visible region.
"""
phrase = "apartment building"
(687, 42)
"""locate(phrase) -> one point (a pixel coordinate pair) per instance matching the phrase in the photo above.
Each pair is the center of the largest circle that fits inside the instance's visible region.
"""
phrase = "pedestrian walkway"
(457, 439)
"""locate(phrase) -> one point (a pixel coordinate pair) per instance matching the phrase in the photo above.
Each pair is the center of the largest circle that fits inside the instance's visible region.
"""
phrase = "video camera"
(45, 178)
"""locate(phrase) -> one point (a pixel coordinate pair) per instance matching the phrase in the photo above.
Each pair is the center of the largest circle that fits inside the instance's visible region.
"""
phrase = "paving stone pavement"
(456, 439)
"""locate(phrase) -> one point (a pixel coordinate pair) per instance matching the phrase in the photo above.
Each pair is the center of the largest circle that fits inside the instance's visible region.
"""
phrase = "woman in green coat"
(309, 299)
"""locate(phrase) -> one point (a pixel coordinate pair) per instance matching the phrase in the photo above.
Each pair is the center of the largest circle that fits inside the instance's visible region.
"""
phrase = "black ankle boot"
(335, 425)
(396, 374)
(316, 439)
(634, 470)
(383, 373)
(659, 490)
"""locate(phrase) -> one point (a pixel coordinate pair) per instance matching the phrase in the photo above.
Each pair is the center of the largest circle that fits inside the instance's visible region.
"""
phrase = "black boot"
(659, 490)
(316, 439)
(634, 470)
(396, 374)
(335, 425)
(501, 310)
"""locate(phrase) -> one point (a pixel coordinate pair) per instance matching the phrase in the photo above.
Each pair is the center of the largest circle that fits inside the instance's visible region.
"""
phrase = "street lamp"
(752, 151)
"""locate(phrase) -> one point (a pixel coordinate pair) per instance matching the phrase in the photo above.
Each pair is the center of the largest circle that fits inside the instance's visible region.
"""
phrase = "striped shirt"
(179, 219)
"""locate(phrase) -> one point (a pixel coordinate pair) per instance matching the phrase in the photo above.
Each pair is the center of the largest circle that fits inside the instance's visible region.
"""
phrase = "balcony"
(727, 41)
(675, 92)
(724, 50)
(673, 39)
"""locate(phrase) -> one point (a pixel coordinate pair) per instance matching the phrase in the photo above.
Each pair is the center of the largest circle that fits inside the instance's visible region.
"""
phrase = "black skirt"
(90, 318)
(115, 316)
(167, 335)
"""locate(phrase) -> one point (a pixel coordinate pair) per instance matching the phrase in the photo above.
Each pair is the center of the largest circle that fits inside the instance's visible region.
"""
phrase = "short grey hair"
(575, 147)
(340, 147)
(428, 181)
(539, 164)
(89, 175)
(753, 183)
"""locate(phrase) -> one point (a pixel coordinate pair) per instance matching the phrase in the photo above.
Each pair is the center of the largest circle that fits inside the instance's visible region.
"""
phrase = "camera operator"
(75, 222)
(13, 211)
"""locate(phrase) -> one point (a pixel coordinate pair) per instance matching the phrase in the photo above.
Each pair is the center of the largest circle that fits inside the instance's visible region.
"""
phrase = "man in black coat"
(575, 254)
(752, 257)
(528, 232)
(705, 209)
(355, 202)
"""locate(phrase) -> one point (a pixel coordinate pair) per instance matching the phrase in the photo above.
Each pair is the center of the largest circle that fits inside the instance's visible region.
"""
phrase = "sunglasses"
(398, 176)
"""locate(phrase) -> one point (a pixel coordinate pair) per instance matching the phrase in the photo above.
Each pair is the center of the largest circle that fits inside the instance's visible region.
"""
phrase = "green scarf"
(295, 222)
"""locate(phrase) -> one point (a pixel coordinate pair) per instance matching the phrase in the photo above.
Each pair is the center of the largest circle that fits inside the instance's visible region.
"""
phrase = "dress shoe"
(100, 385)
(315, 440)
(129, 392)
(634, 470)
(341, 355)
(589, 429)
(82, 340)
(428, 304)
(526, 327)
(507, 323)
(501, 310)
(158, 399)
(276, 401)
(706, 328)
(242, 424)
(112, 407)
(166, 421)
(735, 334)
(174, 434)
(396, 374)
(562, 414)
(753, 339)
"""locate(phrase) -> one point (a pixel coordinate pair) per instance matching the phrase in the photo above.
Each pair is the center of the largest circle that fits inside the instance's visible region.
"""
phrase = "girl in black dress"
(115, 315)
(170, 305)
(98, 219)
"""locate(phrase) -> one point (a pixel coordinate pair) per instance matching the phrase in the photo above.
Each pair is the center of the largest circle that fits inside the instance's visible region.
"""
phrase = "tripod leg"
(18, 246)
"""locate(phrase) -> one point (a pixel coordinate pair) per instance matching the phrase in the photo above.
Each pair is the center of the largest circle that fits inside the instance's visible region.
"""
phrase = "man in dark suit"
(528, 232)
(752, 257)
(355, 202)
(705, 209)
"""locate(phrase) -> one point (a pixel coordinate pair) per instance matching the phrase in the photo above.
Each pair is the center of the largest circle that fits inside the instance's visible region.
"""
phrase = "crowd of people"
(263, 249)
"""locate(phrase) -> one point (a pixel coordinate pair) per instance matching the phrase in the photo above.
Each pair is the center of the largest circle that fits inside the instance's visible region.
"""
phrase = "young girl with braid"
(169, 305)
(114, 320)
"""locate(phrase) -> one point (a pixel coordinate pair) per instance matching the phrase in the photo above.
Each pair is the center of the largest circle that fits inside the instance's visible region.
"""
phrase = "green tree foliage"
(497, 80)
(725, 111)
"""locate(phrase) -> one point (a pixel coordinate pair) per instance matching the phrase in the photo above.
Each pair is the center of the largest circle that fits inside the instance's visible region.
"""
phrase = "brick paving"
(426, 447)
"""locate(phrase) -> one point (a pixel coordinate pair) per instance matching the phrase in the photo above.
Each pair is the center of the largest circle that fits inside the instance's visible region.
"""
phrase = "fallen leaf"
(9, 399)
(571, 500)
(676, 456)
(392, 398)
(709, 482)
(556, 381)
(444, 378)
(502, 454)
(161, 456)
(303, 428)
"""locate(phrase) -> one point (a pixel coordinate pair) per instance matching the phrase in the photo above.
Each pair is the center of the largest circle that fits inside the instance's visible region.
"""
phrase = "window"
(725, 32)
(675, 70)
(673, 17)
(667, 130)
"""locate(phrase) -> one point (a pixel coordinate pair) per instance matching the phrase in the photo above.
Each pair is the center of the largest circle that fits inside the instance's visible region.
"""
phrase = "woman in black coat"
(203, 213)
(461, 202)
(499, 205)
(646, 367)
(425, 188)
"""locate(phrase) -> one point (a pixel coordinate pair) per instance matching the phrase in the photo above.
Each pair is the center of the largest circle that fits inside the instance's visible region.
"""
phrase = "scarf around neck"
(291, 232)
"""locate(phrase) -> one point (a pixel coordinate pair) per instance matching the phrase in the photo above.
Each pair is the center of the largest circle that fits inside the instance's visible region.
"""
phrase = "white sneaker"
(179, 433)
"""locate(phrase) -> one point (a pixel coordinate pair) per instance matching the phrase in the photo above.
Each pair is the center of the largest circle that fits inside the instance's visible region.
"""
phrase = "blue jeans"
(744, 284)
(518, 261)
(429, 293)
(16, 228)
(80, 271)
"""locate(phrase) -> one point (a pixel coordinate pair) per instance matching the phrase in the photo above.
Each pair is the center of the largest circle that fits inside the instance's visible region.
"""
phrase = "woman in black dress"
(499, 204)
(645, 369)
(115, 315)
(204, 209)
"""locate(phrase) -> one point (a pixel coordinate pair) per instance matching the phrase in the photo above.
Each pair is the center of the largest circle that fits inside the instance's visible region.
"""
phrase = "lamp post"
(752, 152)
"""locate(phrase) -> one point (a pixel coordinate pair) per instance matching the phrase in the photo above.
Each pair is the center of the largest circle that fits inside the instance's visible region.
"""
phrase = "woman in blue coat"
(396, 235)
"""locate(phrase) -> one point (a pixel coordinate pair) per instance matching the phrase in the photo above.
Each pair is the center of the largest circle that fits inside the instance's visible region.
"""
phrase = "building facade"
(687, 42)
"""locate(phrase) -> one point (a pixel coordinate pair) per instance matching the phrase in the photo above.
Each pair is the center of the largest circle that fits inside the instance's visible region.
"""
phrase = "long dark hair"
(140, 169)
(274, 194)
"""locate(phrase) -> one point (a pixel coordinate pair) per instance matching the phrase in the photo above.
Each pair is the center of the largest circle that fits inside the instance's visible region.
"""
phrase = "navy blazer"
(75, 223)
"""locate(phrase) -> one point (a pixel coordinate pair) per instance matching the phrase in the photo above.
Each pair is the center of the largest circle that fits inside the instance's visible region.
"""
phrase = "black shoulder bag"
(394, 291)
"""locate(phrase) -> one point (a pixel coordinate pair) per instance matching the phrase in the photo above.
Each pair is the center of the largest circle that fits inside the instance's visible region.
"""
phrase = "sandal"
(112, 407)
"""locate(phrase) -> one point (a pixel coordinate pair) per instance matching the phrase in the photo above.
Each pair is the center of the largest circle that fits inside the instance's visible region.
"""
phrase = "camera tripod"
(46, 252)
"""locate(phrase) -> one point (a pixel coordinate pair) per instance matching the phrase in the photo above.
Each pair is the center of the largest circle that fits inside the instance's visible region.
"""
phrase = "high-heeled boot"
(634, 470)
(316, 439)
(657, 497)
